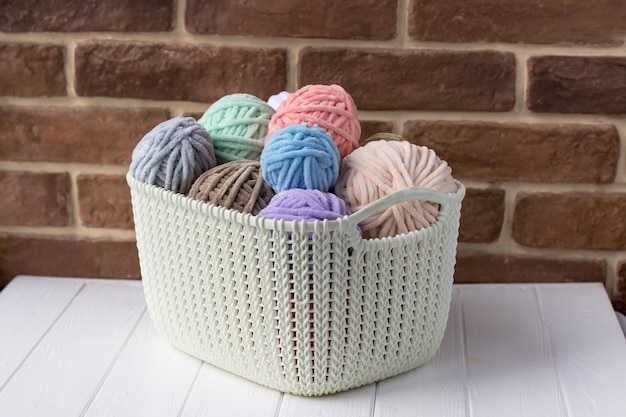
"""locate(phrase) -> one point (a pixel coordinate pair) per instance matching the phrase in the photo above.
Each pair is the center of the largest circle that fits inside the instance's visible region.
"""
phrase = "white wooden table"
(80, 347)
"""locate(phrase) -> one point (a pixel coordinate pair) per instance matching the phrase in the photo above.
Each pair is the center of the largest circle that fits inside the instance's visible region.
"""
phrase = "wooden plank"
(220, 393)
(28, 307)
(510, 365)
(589, 348)
(514, 350)
(149, 378)
(63, 372)
(437, 388)
(355, 402)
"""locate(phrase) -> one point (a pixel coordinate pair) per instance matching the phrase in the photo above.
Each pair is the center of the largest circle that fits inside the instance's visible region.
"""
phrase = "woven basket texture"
(307, 308)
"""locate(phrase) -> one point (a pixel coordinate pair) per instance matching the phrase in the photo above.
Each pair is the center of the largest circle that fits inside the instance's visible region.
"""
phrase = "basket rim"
(347, 222)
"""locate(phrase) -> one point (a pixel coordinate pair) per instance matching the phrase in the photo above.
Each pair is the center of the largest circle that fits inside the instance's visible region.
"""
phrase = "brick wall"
(526, 101)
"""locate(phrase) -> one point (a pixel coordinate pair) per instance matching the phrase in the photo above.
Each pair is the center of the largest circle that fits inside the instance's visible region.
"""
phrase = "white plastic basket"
(307, 308)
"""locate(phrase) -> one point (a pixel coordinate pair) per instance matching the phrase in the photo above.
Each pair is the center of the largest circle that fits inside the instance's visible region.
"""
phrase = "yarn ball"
(238, 125)
(300, 204)
(379, 168)
(173, 155)
(299, 156)
(327, 106)
(277, 99)
(236, 185)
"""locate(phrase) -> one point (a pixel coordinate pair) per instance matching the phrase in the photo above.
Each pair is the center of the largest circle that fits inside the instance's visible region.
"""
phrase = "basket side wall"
(300, 312)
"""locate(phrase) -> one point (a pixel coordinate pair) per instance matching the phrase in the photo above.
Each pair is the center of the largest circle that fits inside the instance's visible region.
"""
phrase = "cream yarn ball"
(381, 167)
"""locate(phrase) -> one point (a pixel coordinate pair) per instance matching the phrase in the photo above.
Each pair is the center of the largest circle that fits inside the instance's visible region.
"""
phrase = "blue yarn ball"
(173, 155)
(299, 156)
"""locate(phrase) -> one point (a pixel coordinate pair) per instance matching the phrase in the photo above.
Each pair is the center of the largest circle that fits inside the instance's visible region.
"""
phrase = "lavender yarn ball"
(173, 155)
(299, 156)
(309, 205)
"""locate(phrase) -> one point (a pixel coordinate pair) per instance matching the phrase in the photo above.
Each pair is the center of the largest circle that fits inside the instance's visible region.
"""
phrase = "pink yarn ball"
(327, 106)
(382, 167)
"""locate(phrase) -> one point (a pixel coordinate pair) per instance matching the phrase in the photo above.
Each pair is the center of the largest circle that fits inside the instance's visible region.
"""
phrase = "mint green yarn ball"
(238, 125)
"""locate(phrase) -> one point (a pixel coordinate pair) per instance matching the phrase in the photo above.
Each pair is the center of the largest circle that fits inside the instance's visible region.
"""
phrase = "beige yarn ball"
(236, 185)
(382, 167)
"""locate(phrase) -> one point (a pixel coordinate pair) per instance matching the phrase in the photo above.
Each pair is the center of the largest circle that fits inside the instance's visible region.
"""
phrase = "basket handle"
(401, 196)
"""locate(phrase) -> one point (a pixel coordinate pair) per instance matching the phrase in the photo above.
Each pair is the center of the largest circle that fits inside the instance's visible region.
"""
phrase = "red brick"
(72, 16)
(66, 256)
(99, 135)
(570, 220)
(34, 198)
(600, 22)
(30, 70)
(524, 152)
(482, 215)
(357, 19)
(477, 267)
(162, 71)
(380, 79)
(575, 84)
(104, 201)
(370, 127)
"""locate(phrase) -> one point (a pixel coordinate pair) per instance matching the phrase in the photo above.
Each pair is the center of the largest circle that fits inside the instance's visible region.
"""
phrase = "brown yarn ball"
(236, 185)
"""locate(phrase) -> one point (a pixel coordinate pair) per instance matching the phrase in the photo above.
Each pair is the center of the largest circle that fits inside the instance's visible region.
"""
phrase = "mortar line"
(74, 203)
(495, 248)
(402, 17)
(507, 185)
(70, 72)
(521, 81)
(116, 235)
(57, 167)
(505, 237)
(291, 75)
(179, 17)
(179, 35)
(611, 276)
(620, 175)
(397, 115)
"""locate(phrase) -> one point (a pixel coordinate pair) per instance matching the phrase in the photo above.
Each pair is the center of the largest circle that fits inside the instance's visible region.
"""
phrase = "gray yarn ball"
(173, 155)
